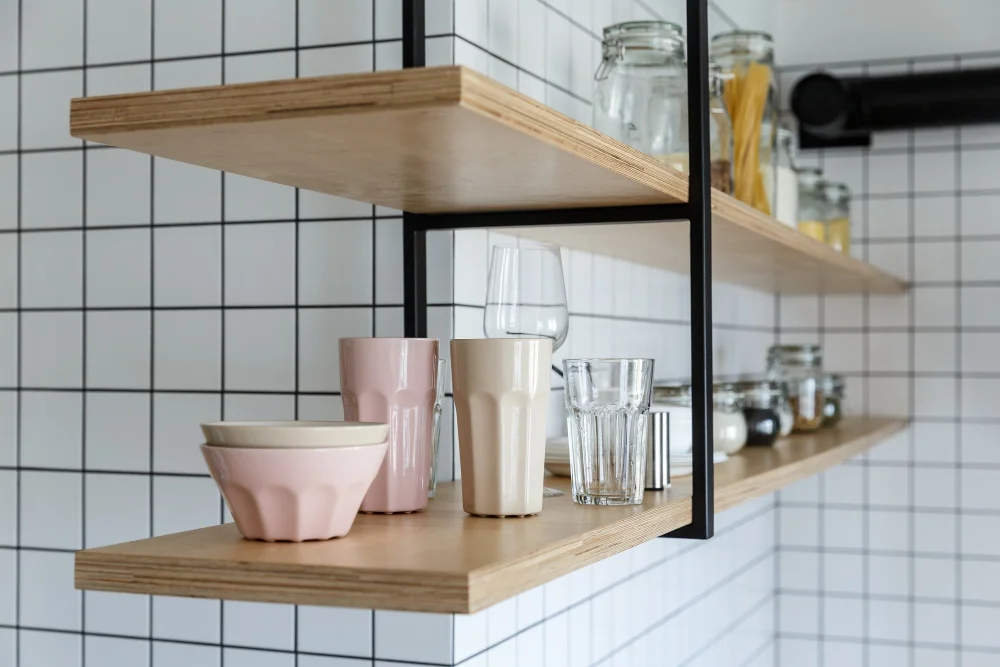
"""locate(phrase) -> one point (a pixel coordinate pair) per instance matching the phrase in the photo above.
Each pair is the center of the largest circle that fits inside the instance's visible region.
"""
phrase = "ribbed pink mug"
(394, 381)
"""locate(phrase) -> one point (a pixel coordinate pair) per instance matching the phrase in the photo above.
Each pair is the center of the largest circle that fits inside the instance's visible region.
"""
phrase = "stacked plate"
(681, 466)
(294, 481)
(557, 456)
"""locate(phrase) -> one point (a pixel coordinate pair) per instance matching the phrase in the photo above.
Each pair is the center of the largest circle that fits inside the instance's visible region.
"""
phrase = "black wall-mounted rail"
(834, 111)
(697, 210)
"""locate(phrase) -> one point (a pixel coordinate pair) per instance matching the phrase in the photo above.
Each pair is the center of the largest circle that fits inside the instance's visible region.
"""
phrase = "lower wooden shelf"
(443, 560)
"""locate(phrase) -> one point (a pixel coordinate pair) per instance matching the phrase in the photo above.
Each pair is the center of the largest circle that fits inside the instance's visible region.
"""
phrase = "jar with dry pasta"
(750, 95)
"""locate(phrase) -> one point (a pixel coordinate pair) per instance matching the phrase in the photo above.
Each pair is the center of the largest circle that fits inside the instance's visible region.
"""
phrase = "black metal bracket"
(697, 210)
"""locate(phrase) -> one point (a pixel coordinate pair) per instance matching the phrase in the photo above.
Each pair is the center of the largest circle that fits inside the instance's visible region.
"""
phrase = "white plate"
(683, 467)
(294, 434)
(558, 468)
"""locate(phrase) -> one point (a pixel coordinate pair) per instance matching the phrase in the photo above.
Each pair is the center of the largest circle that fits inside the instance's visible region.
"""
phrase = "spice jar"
(812, 204)
(721, 133)
(761, 401)
(750, 97)
(838, 216)
(730, 426)
(833, 396)
(800, 367)
(640, 94)
(783, 180)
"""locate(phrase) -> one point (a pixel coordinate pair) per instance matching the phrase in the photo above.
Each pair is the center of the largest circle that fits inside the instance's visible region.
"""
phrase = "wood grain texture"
(443, 560)
(447, 139)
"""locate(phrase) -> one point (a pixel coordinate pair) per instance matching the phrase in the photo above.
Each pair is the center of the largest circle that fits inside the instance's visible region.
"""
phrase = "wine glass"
(526, 298)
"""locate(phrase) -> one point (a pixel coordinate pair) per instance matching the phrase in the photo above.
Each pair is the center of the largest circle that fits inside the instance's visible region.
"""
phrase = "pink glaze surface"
(394, 381)
(294, 494)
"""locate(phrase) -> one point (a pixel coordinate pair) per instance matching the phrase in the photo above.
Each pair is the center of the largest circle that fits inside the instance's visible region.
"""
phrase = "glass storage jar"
(833, 397)
(838, 216)
(800, 367)
(761, 402)
(721, 133)
(812, 204)
(675, 399)
(783, 180)
(640, 94)
(785, 413)
(750, 94)
(730, 426)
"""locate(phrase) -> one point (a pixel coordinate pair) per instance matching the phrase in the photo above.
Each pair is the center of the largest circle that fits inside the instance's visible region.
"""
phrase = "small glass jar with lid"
(838, 216)
(783, 180)
(730, 426)
(761, 402)
(800, 367)
(750, 96)
(833, 397)
(640, 92)
(785, 413)
(812, 203)
(675, 399)
(721, 132)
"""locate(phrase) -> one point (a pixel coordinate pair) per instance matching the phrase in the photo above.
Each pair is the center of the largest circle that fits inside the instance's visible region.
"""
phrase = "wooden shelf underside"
(443, 560)
(449, 140)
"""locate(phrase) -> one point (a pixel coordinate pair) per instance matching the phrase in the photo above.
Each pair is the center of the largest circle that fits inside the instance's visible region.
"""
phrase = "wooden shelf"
(443, 560)
(446, 139)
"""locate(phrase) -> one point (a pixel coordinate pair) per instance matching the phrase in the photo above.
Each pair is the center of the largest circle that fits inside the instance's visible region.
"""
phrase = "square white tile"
(8, 645)
(799, 613)
(185, 193)
(842, 573)
(843, 529)
(323, 23)
(889, 575)
(118, 268)
(934, 533)
(260, 264)
(9, 183)
(48, 599)
(8, 508)
(118, 183)
(935, 487)
(934, 306)
(389, 322)
(117, 509)
(337, 60)
(978, 167)
(935, 622)
(188, 73)
(187, 28)
(935, 397)
(531, 17)
(335, 263)
(326, 408)
(189, 655)
(116, 613)
(44, 103)
(888, 486)
(260, 350)
(415, 636)
(9, 112)
(888, 352)
(238, 657)
(888, 218)
(116, 652)
(184, 503)
(47, 43)
(258, 406)
(8, 428)
(118, 349)
(266, 24)
(118, 30)
(188, 352)
(934, 577)
(187, 619)
(388, 267)
(888, 173)
(117, 431)
(934, 171)
(51, 349)
(8, 349)
(934, 352)
(188, 266)
(319, 356)
(43, 649)
(252, 199)
(52, 270)
(8, 587)
(260, 67)
(977, 214)
(934, 216)
(335, 630)
(51, 429)
(389, 19)
(51, 509)
(843, 618)
(51, 190)
(119, 79)
(175, 430)
(259, 625)
(978, 260)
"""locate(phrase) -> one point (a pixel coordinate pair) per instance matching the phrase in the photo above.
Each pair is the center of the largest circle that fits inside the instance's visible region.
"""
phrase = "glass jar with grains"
(838, 217)
(833, 397)
(640, 92)
(800, 367)
(750, 94)
(812, 203)
(761, 402)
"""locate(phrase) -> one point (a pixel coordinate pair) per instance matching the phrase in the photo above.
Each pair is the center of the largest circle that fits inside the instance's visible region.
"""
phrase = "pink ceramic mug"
(394, 381)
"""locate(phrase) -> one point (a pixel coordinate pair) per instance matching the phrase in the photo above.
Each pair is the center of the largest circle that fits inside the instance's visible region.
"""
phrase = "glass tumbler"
(607, 405)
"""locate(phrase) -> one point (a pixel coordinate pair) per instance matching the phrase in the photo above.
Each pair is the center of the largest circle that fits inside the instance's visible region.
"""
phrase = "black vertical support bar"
(700, 206)
(414, 235)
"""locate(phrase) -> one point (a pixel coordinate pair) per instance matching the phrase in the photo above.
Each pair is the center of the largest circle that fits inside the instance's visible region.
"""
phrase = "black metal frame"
(697, 210)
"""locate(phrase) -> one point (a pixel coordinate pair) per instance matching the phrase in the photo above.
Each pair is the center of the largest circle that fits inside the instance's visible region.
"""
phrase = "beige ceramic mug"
(501, 389)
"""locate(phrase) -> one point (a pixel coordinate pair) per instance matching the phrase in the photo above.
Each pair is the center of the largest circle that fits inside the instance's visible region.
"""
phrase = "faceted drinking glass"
(607, 405)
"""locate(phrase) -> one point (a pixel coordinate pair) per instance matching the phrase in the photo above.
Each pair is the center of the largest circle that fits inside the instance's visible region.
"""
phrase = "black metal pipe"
(832, 108)
(599, 215)
(414, 34)
(702, 524)
(414, 237)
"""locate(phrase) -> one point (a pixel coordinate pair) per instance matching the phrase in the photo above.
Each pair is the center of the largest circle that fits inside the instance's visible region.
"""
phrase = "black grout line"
(151, 608)
(958, 401)
(298, 313)
(912, 407)
(83, 345)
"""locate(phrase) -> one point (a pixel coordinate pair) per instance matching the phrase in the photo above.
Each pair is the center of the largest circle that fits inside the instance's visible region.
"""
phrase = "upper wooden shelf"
(443, 560)
(447, 139)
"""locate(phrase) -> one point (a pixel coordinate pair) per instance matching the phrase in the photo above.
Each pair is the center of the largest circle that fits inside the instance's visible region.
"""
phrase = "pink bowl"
(294, 494)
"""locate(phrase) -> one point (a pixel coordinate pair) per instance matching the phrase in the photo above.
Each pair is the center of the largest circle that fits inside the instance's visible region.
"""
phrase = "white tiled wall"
(139, 297)
(892, 558)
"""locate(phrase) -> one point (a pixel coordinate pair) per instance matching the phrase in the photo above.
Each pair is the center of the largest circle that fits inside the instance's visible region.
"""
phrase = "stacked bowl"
(294, 480)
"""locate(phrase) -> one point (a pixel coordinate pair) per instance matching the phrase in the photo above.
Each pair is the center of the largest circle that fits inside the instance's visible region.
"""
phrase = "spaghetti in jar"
(750, 96)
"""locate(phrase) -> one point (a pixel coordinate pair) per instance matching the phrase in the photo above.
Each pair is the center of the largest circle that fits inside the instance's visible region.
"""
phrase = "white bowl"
(294, 434)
